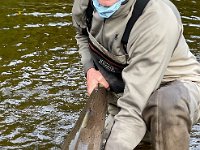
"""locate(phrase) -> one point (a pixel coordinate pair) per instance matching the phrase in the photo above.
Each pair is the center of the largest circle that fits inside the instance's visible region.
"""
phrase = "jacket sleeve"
(78, 19)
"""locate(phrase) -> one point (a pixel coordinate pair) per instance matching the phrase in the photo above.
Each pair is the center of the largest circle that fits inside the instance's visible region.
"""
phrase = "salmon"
(87, 133)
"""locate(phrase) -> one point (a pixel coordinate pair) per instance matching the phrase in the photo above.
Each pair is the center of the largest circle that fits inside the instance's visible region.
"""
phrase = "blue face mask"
(106, 12)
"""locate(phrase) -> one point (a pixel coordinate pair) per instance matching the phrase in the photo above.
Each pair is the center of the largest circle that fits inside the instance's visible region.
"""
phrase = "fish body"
(87, 133)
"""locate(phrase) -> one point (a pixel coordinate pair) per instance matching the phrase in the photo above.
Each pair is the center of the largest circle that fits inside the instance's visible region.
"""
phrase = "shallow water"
(42, 85)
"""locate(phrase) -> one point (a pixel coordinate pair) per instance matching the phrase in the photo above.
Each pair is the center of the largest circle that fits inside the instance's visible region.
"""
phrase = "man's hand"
(94, 77)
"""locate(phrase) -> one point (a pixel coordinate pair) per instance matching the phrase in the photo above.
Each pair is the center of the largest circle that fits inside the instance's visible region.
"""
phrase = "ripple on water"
(51, 24)
(40, 14)
(40, 100)
(195, 137)
(14, 63)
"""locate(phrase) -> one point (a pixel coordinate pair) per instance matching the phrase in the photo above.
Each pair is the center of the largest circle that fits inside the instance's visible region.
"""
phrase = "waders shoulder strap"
(89, 16)
(137, 12)
(89, 12)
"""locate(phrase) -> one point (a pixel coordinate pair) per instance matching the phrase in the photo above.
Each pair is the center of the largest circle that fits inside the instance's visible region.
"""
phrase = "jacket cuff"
(87, 66)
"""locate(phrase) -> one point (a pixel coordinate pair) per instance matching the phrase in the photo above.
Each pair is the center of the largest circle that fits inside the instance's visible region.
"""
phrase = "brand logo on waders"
(106, 65)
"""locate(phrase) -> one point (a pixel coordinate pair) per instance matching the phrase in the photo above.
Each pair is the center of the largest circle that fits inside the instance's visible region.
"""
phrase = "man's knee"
(167, 106)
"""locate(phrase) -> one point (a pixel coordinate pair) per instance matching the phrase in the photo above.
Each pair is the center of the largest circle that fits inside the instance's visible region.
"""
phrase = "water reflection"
(42, 85)
(191, 21)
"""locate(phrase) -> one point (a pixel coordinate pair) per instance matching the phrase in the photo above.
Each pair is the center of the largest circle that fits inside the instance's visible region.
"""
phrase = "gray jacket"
(157, 50)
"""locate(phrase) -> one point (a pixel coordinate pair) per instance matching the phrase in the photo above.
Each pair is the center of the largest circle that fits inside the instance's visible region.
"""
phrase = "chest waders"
(110, 68)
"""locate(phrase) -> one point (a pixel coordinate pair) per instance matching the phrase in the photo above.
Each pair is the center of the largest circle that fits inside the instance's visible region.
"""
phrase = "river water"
(42, 85)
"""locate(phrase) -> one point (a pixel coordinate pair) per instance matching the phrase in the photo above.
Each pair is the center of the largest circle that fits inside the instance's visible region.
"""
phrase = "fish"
(87, 133)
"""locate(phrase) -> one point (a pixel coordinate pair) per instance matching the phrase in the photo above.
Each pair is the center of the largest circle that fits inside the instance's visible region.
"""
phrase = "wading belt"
(110, 69)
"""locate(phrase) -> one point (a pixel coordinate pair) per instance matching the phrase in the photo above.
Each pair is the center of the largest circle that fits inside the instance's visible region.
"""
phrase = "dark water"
(42, 86)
